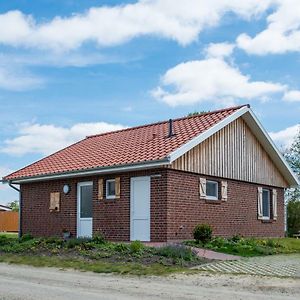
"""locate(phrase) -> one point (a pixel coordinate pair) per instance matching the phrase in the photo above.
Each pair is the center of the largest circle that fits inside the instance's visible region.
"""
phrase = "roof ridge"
(165, 121)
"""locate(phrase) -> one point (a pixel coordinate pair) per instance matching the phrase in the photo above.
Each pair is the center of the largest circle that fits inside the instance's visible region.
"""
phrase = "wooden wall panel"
(233, 152)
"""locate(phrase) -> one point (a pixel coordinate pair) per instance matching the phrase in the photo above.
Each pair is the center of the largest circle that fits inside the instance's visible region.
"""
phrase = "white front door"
(140, 208)
(85, 209)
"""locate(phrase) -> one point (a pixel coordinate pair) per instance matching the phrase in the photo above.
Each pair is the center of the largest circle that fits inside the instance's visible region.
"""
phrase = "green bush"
(136, 247)
(26, 237)
(176, 252)
(98, 238)
(121, 247)
(80, 242)
(202, 233)
(4, 240)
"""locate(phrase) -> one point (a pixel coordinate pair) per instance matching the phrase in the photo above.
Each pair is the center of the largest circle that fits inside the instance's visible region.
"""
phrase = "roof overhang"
(263, 137)
(90, 172)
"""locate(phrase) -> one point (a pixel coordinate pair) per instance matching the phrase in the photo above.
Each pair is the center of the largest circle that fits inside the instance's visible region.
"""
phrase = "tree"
(195, 113)
(293, 195)
(14, 205)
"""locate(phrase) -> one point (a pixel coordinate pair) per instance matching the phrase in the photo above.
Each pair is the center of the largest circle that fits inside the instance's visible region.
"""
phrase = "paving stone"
(278, 266)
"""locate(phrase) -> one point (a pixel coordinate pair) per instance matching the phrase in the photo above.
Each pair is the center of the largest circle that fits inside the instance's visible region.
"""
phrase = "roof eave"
(89, 172)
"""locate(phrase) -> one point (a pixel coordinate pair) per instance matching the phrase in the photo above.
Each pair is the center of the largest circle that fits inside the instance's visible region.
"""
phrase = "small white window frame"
(269, 193)
(216, 189)
(106, 185)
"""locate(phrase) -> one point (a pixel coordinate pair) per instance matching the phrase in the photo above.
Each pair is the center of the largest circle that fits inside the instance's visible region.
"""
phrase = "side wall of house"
(237, 215)
(111, 217)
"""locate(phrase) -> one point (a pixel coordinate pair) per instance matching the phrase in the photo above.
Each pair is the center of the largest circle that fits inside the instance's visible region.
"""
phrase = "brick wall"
(111, 217)
(175, 208)
(238, 215)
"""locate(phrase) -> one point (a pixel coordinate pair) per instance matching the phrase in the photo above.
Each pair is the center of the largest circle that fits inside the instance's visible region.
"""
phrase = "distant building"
(4, 208)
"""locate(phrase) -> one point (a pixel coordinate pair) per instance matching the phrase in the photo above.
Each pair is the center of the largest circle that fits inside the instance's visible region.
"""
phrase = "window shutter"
(54, 201)
(202, 187)
(118, 187)
(274, 199)
(100, 189)
(224, 190)
(259, 202)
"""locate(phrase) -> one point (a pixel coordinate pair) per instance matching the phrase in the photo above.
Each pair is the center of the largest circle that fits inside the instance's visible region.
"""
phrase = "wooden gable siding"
(233, 152)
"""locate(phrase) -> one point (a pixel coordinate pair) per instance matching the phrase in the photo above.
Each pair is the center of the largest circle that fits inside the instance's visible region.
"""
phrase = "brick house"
(156, 182)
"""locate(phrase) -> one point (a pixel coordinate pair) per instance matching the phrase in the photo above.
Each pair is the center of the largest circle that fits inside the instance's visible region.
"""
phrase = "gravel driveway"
(24, 282)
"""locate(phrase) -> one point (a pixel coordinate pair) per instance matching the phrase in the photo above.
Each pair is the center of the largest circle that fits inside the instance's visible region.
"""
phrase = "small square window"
(266, 199)
(110, 189)
(211, 190)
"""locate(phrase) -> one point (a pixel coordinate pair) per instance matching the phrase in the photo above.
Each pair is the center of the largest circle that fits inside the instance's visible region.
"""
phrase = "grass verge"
(93, 266)
(97, 255)
(248, 247)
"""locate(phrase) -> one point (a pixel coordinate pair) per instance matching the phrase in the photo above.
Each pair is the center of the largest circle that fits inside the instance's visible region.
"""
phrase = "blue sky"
(77, 67)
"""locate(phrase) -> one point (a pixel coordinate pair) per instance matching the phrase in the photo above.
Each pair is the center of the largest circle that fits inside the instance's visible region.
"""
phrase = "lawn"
(97, 255)
(248, 247)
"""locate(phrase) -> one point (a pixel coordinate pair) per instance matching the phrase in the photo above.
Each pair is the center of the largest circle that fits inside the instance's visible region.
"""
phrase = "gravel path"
(28, 283)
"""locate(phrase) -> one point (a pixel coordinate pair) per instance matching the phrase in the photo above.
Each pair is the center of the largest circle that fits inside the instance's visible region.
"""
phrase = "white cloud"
(284, 138)
(219, 50)
(213, 80)
(282, 33)
(46, 139)
(16, 79)
(181, 21)
(292, 96)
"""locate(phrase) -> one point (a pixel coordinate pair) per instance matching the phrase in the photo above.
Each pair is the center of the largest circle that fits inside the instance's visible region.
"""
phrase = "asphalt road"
(24, 282)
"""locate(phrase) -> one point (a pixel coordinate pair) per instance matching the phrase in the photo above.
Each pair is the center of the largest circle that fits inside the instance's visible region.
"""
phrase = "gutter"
(20, 206)
(94, 171)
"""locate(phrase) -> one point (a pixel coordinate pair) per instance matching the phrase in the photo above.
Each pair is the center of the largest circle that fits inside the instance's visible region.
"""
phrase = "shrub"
(26, 237)
(53, 240)
(236, 238)
(121, 247)
(3, 240)
(136, 247)
(72, 243)
(177, 252)
(98, 238)
(202, 233)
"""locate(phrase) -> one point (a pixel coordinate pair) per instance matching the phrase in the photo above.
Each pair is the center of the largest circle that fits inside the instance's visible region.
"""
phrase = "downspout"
(20, 207)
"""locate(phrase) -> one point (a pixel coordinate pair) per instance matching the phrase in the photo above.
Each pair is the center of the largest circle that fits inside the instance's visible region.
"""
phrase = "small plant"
(80, 242)
(26, 237)
(136, 247)
(236, 238)
(3, 240)
(98, 238)
(202, 233)
(121, 247)
(177, 252)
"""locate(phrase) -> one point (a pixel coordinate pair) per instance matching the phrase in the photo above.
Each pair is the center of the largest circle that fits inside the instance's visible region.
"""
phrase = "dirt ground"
(27, 283)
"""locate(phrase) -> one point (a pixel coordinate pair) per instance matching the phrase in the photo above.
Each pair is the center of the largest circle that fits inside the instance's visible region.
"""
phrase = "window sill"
(211, 201)
(110, 198)
(268, 221)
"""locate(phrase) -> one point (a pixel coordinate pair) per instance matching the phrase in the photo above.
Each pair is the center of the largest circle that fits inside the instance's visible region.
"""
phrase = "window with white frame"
(111, 189)
(212, 188)
(266, 207)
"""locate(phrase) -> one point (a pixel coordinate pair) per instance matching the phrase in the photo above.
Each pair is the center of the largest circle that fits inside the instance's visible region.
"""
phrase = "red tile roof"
(128, 146)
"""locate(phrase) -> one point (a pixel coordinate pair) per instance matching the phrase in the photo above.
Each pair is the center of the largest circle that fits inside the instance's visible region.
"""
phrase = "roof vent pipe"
(171, 128)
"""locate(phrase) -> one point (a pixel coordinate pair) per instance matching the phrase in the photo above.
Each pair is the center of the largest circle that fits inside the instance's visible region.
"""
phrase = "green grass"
(12, 235)
(249, 247)
(93, 266)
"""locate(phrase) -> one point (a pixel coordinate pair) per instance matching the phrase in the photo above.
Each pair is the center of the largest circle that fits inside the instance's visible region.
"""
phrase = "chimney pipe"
(170, 128)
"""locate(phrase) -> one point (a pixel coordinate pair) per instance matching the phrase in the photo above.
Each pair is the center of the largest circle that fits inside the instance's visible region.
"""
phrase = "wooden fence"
(9, 221)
